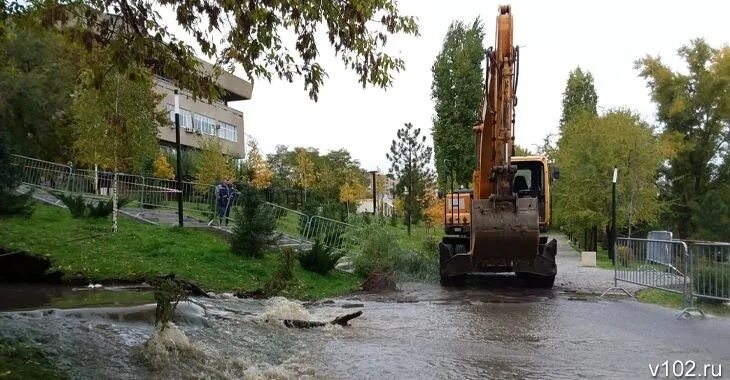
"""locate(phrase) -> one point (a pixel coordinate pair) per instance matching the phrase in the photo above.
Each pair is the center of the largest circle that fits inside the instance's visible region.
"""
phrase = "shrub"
(284, 274)
(102, 209)
(254, 225)
(431, 244)
(75, 204)
(393, 220)
(417, 265)
(377, 250)
(320, 258)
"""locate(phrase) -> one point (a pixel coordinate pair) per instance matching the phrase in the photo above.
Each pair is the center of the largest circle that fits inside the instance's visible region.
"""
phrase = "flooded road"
(422, 332)
(486, 330)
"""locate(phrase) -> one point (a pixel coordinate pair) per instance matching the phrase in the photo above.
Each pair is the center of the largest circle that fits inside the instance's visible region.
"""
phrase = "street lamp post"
(373, 172)
(178, 172)
(612, 247)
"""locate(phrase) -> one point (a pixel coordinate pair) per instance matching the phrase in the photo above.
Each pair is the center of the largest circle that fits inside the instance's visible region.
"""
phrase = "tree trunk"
(342, 321)
(114, 203)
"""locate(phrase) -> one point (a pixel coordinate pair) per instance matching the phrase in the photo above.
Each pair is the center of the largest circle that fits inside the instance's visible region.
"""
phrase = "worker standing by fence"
(225, 194)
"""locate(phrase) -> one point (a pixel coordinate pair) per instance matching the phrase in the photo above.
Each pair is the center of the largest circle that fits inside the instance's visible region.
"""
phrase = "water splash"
(166, 347)
(280, 308)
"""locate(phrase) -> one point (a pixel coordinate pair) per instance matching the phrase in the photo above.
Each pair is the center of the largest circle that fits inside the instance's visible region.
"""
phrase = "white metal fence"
(199, 200)
(694, 270)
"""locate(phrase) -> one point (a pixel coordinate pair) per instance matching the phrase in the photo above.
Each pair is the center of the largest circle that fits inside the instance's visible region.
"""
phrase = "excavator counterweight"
(508, 206)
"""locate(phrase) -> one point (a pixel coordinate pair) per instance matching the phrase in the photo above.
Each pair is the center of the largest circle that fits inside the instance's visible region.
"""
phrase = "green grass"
(674, 301)
(139, 251)
(419, 234)
(20, 361)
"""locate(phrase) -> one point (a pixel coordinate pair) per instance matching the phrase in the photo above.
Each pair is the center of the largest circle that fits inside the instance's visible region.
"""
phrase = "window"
(185, 117)
(228, 132)
(204, 124)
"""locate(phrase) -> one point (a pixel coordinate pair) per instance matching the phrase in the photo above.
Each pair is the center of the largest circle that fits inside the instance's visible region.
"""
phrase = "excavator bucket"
(504, 232)
(505, 237)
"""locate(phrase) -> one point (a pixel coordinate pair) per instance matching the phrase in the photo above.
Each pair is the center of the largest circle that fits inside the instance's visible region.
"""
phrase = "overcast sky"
(604, 37)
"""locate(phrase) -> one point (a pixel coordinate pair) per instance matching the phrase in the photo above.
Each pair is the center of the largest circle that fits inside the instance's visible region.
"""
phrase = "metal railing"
(710, 271)
(199, 200)
(330, 232)
(694, 270)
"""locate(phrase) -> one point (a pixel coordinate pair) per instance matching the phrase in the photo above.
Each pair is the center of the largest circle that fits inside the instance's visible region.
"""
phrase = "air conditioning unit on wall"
(189, 130)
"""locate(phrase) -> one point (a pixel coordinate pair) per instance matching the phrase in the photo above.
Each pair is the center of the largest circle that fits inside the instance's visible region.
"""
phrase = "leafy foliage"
(10, 202)
(589, 149)
(168, 293)
(320, 259)
(353, 189)
(163, 169)
(357, 30)
(457, 90)
(254, 225)
(579, 96)
(695, 107)
(377, 251)
(304, 171)
(116, 124)
(282, 278)
(256, 168)
(38, 70)
(213, 165)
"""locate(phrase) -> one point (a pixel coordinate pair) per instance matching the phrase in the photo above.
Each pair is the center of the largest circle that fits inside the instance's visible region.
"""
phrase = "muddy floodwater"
(421, 332)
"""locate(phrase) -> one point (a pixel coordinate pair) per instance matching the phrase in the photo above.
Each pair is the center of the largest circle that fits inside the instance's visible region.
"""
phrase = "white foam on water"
(280, 308)
(168, 346)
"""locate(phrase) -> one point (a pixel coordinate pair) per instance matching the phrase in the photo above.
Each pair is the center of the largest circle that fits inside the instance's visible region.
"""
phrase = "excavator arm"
(494, 131)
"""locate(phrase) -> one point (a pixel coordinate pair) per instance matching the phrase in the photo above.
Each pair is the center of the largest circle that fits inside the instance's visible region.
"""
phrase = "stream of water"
(422, 332)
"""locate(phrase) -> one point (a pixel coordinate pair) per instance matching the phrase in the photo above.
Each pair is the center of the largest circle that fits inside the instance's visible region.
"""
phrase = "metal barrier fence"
(329, 232)
(694, 270)
(710, 271)
(199, 200)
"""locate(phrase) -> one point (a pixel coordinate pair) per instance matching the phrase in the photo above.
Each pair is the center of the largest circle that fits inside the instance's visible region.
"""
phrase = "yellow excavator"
(495, 227)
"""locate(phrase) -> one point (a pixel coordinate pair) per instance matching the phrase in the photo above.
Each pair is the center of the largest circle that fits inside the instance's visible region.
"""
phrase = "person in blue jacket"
(225, 194)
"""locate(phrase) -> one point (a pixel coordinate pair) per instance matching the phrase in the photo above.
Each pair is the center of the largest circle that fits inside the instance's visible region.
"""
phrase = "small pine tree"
(254, 225)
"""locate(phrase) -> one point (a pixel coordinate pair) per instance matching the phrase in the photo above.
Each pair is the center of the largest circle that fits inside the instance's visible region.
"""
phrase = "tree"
(520, 151)
(10, 178)
(380, 190)
(434, 214)
(253, 36)
(213, 165)
(457, 90)
(163, 169)
(696, 107)
(304, 172)
(352, 190)
(579, 96)
(409, 156)
(38, 71)
(589, 149)
(116, 124)
(258, 172)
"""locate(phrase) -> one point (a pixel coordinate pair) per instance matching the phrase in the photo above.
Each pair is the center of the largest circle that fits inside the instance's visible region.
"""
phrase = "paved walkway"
(572, 276)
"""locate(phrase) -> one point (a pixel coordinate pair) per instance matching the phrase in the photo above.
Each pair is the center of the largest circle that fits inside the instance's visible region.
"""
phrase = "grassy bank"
(674, 301)
(85, 248)
(20, 361)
